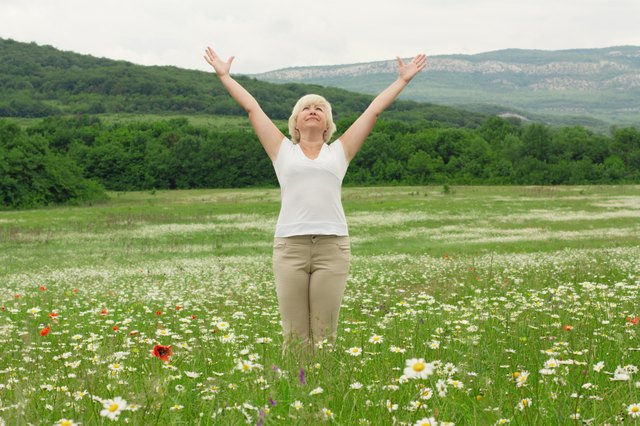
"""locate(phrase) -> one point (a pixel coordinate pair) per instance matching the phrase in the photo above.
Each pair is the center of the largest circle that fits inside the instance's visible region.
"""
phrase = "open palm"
(221, 67)
(407, 71)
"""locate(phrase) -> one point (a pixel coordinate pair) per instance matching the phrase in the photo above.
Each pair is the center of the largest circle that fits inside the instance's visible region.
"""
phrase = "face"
(312, 116)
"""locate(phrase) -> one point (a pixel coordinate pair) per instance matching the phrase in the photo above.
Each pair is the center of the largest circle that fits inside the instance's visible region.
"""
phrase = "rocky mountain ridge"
(597, 83)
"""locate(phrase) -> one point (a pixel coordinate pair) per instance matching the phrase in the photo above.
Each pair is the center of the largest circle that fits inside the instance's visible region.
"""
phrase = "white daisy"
(418, 369)
(113, 407)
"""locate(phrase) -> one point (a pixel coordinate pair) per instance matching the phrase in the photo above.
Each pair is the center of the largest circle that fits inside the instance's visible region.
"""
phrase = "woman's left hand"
(407, 71)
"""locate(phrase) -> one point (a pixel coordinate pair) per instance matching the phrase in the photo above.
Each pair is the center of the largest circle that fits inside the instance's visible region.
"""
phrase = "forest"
(58, 145)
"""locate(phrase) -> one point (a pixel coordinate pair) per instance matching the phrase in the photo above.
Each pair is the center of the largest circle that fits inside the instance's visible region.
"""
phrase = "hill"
(586, 86)
(40, 81)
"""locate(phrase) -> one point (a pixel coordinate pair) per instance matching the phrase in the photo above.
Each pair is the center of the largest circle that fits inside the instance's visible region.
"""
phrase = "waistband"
(302, 239)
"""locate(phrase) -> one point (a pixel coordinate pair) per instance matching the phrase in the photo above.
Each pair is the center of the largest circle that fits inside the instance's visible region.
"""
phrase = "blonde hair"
(306, 101)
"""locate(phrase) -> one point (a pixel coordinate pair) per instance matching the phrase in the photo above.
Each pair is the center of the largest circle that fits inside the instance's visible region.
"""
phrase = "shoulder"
(338, 149)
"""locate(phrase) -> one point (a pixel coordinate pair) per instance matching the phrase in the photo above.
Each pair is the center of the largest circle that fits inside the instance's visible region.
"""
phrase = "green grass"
(492, 282)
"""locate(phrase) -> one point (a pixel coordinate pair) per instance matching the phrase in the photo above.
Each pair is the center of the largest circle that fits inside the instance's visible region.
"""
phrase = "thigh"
(326, 288)
(292, 285)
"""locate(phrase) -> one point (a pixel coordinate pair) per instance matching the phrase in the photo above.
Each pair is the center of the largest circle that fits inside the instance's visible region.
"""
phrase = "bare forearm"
(239, 93)
(386, 97)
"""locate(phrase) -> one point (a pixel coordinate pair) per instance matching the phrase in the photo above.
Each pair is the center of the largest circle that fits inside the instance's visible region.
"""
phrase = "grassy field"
(516, 305)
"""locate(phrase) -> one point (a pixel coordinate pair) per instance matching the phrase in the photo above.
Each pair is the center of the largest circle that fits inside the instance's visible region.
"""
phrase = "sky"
(265, 35)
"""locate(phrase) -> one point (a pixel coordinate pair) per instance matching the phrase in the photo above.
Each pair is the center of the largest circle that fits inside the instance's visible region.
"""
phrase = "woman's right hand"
(222, 68)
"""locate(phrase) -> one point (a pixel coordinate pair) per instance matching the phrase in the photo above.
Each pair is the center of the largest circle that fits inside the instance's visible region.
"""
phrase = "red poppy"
(115, 328)
(633, 321)
(45, 331)
(567, 327)
(193, 317)
(3, 309)
(103, 312)
(158, 313)
(42, 288)
(162, 352)
(17, 296)
(75, 290)
(178, 307)
(53, 315)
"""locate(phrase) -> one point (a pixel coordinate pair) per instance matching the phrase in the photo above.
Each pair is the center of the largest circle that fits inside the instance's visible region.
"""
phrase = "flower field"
(465, 306)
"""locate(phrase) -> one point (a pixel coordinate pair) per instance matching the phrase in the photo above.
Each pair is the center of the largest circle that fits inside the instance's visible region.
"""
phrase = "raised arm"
(356, 134)
(269, 135)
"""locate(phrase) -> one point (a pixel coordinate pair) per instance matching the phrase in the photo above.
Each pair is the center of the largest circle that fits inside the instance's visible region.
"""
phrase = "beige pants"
(311, 275)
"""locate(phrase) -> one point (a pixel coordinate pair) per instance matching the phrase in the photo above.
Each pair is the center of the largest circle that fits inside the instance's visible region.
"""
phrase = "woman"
(311, 246)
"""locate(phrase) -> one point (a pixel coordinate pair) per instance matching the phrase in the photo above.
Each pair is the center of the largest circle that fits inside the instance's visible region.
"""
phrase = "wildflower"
(634, 320)
(356, 385)
(503, 421)
(621, 374)
(634, 410)
(316, 391)
(426, 421)
(598, 367)
(297, 405)
(521, 379)
(158, 313)
(450, 369)
(103, 312)
(426, 393)
(192, 374)
(176, 407)
(434, 344)
(397, 350)
(524, 403)
(355, 351)
(116, 368)
(328, 414)
(303, 380)
(228, 338)
(45, 331)
(162, 352)
(567, 327)
(418, 369)
(34, 311)
(65, 422)
(113, 407)
(163, 332)
(391, 406)
(42, 288)
(375, 339)
(248, 365)
(53, 315)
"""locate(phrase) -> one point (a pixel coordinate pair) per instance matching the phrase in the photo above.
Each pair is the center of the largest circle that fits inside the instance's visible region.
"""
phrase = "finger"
(230, 60)
(400, 61)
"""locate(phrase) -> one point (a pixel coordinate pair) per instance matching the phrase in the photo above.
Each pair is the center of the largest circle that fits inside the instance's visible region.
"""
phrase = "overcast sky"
(269, 34)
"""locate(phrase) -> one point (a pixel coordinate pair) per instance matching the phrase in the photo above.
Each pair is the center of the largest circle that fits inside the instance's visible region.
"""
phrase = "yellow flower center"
(113, 407)
(246, 367)
(66, 423)
(635, 409)
(516, 374)
(418, 366)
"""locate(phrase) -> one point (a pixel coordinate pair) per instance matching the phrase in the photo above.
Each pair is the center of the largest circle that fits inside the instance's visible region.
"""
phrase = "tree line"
(77, 158)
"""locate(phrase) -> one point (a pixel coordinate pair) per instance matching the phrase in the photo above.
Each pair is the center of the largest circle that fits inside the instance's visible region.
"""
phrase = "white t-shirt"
(311, 190)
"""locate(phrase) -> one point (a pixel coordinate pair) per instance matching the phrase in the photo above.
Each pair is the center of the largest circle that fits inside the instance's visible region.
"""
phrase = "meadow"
(465, 306)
